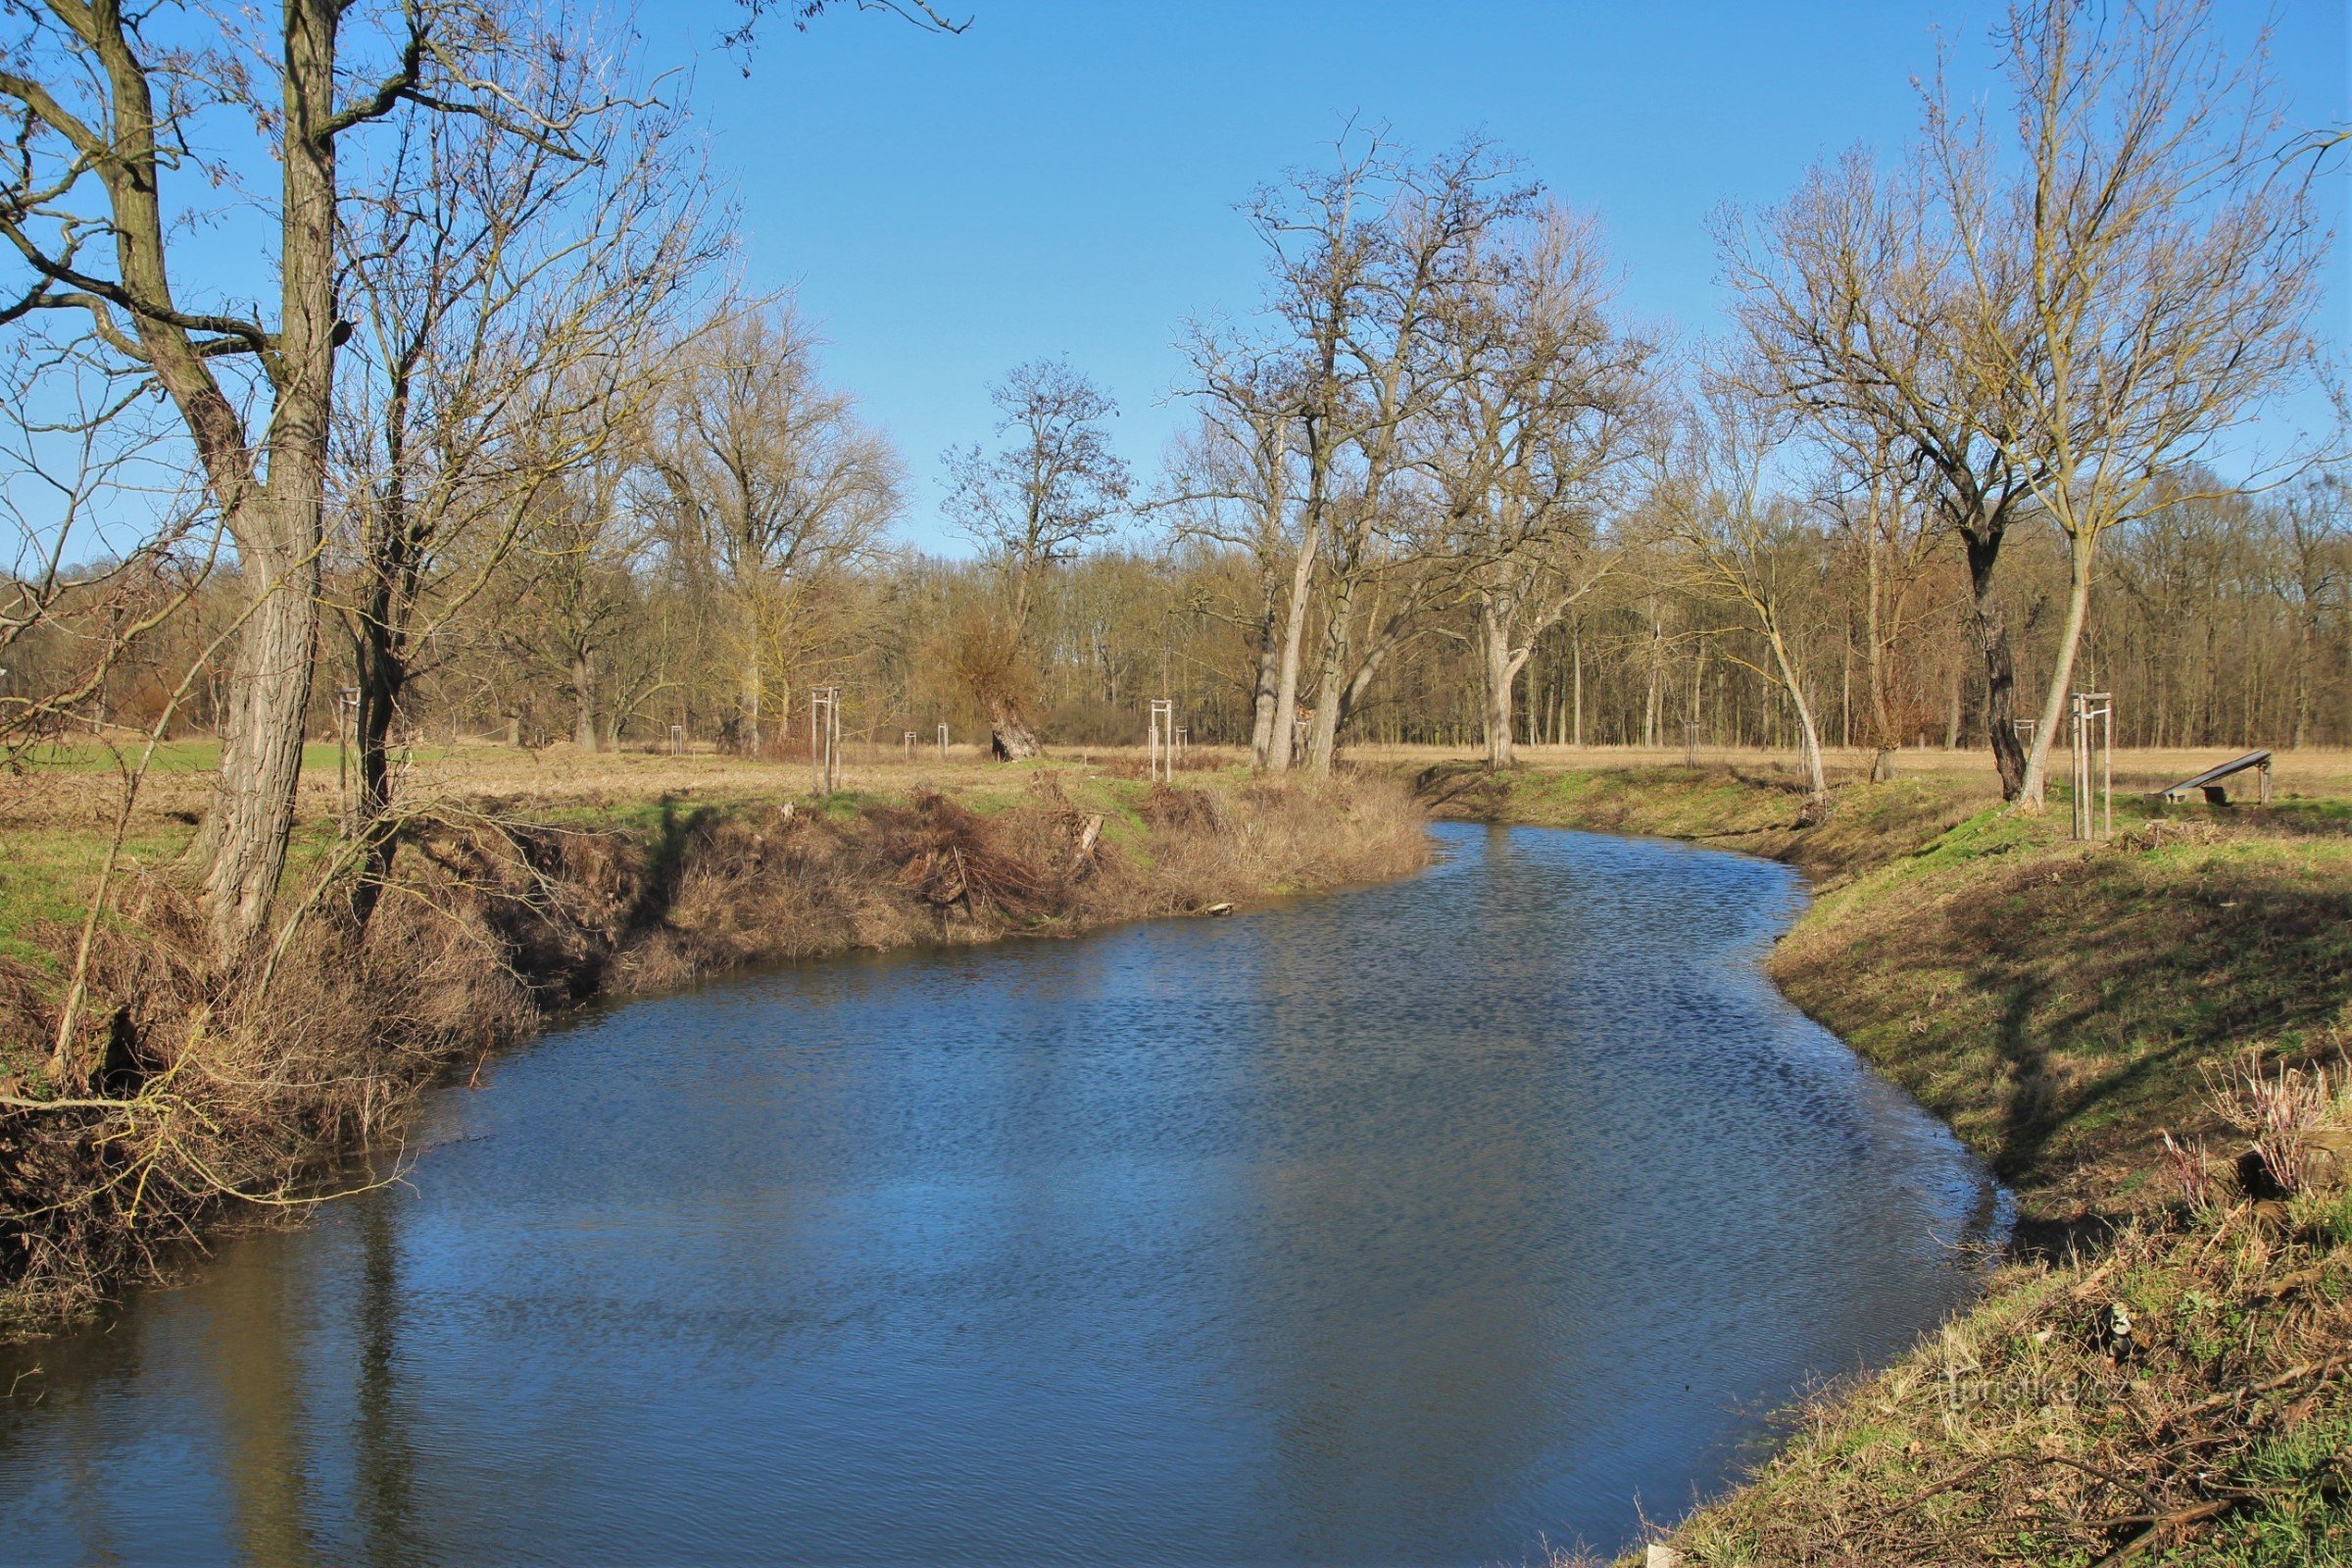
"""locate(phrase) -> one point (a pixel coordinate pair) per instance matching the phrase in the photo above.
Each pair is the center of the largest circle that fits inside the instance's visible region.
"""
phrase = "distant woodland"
(489, 440)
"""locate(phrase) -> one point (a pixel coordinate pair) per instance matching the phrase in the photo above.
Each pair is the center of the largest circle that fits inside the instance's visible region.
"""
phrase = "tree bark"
(1266, 703)
(278, 527)
(1010, 737)
(1983, 546)
(583, 699)
(1808, 734)
(1502, 671)
(1280, 748)
(246, 832)
(2033, 792)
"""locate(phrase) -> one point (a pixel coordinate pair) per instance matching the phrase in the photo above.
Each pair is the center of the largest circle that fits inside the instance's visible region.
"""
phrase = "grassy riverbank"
(190, 1098)
(2063, 1006)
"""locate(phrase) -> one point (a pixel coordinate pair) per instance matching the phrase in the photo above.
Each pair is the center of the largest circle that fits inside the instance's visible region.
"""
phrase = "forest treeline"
(515, 455)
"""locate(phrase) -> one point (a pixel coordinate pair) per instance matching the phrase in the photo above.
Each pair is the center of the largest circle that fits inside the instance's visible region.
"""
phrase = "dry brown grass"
(196, 1095)
(2070, 1008)
(2185, 1398)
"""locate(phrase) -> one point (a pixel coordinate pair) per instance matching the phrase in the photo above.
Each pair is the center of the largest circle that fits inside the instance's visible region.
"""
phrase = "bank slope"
(193, 1097)
(2162, 1376)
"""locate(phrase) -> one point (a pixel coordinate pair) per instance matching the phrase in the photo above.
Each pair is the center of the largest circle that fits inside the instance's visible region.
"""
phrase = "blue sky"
(1060, 179)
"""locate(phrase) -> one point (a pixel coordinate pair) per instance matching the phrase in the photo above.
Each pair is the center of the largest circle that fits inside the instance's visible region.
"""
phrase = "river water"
(1425, 1223)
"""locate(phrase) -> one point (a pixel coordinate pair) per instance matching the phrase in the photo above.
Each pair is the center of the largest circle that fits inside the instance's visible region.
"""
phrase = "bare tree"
(508, 292)
(1539, 411)
(1386, 288)
(773, 476)
(1031, 506)
(1858, 309)
(1234, 485)
(2161, 280)
(1748, 544)
(133, 121)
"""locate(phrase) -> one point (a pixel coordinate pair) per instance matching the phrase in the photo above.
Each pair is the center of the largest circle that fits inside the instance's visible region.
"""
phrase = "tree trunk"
(752, 684)
(1983, 547)
(1293, 639)
(583, 699)
(243, 846)
(1808, 735)
(2033, 793)
(1010, 737)
(277, 525)
(1495, 645)
(1576, 645)
(383, 677)
(1267, 700)
(1658, 673)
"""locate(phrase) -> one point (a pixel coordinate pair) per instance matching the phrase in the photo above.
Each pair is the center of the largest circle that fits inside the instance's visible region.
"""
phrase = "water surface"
(1420, 1224)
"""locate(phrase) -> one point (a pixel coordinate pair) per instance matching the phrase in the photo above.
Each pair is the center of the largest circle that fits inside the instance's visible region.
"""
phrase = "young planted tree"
(770, 475)
(1031, 506)
(2161, 279)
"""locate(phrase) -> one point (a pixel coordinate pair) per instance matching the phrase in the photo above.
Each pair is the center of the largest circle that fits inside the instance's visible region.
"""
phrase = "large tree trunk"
(583, 699)
(1010, 737)
(243, 846)
(1983, 548)
(1331, 683)
(1280, 750)
(1266, 707)
(278, 527)
(1502, 671)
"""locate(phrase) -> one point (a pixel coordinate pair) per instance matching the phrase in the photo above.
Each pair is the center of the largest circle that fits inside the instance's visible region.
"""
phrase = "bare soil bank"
(195, 1098)
(2162, 1376)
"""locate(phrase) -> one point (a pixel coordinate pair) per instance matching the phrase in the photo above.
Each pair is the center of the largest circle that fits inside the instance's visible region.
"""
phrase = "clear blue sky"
(1060, 179)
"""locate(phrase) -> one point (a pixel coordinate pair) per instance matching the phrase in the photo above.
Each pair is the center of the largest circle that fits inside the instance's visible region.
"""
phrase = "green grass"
(170, 757)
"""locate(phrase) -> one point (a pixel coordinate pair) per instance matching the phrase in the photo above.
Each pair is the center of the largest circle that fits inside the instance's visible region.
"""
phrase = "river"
(1423, 1223)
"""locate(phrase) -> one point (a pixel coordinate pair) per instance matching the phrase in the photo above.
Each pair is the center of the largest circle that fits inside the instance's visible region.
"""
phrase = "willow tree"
(1050, 488)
